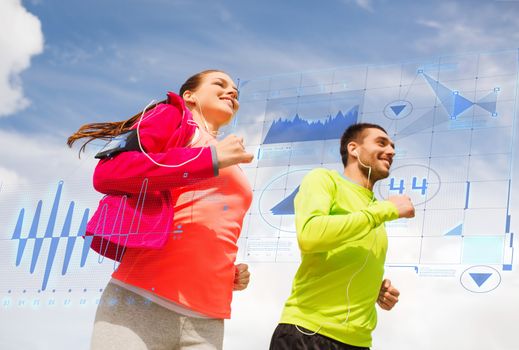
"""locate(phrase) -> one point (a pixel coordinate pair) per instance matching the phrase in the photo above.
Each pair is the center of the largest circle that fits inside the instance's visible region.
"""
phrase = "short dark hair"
(355, 133)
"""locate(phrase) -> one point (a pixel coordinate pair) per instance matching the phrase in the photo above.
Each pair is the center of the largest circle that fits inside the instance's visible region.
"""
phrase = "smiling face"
(216, 98)
(375, 150)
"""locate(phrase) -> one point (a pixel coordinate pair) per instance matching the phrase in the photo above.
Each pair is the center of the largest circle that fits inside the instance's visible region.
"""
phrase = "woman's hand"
(241, 276)
(231, 151)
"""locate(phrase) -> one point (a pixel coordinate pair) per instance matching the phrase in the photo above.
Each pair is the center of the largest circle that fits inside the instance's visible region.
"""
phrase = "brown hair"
(355, 133)
(108, 130)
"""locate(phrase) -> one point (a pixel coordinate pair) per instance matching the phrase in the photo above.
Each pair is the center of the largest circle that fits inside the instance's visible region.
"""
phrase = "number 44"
(414, 185)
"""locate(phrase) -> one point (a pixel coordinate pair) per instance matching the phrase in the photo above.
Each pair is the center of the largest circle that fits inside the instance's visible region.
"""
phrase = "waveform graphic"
(299, 129)
(49, 235)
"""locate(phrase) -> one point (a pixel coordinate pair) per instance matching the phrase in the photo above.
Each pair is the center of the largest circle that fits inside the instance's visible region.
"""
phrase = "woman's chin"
(218, 117)
(225, 118)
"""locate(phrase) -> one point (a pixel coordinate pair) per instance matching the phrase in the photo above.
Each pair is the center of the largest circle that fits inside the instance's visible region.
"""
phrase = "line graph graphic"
(299, 129)
(455, 104)
(295, 127)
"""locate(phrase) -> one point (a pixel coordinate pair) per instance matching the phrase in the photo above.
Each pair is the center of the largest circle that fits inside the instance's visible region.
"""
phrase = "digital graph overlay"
(48, 240)
(49, 235)
(453, 120)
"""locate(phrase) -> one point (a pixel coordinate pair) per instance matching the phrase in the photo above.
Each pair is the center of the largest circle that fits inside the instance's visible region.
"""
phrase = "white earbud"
(152, 112)
(199, 105)
(194, 98)
(360, 161)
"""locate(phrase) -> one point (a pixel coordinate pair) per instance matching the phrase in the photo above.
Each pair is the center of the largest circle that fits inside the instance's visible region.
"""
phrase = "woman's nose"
(234, 94)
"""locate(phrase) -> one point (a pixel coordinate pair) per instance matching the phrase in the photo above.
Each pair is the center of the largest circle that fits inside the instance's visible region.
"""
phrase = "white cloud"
(365, 4)
(429, 23)
(10, 176)
(457, 29)
(35, 159)
(20, 38)
(243, 56)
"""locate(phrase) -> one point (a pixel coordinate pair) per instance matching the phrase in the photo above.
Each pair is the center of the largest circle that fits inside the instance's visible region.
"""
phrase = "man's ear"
(352, 147)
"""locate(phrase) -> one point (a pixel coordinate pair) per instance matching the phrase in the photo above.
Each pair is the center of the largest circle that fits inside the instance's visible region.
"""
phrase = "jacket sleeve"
(318, 230)
(161, 166)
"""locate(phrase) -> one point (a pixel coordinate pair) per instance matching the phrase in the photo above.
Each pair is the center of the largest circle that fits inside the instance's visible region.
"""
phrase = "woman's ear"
(188, 96)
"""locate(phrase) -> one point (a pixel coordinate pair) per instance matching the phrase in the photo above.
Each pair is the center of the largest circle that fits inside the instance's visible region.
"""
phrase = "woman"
(175, 296)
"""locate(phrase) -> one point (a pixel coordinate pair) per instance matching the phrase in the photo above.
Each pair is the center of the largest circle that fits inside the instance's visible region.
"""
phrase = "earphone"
(347, 290)
(199, 104)
(190, 122)
(356, 153)
(361, 163)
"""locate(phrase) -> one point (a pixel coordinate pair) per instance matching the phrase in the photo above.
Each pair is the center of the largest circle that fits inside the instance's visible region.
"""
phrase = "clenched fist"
(404, 205)
(388, 295)
(231, 151)
(241, 276)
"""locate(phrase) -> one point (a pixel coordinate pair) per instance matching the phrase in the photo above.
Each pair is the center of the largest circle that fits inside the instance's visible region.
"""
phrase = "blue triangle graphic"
(480, 278)
(489, 102)
(453, 103)
(397, 109)
(443, 93)
(455, 231)
(428, 120)
(286, 206)
(460, 105)
(489, 106)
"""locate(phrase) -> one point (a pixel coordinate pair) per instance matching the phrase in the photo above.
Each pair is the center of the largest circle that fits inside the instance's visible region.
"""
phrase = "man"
(343, 242)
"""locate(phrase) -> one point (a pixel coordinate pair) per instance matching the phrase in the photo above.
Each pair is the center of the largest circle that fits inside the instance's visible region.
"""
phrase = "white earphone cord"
(356, 272)
(364, 165)
(213, 133)
(153, 113)
(347, 292)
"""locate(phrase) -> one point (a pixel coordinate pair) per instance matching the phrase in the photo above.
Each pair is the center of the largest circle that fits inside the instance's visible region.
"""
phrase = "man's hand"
(388, 295)
(241, 276)
(404, 205)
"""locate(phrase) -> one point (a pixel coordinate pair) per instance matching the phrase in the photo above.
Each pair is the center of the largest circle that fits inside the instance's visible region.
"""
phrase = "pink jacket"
(137, 210)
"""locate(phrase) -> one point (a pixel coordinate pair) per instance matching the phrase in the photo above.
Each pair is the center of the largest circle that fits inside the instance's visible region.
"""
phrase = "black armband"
(126, 141)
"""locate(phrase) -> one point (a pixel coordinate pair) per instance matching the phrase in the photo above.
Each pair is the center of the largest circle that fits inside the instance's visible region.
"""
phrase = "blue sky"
(104, 60)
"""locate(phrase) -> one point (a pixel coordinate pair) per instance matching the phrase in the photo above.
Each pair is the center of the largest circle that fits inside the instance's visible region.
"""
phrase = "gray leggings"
(126, 321)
